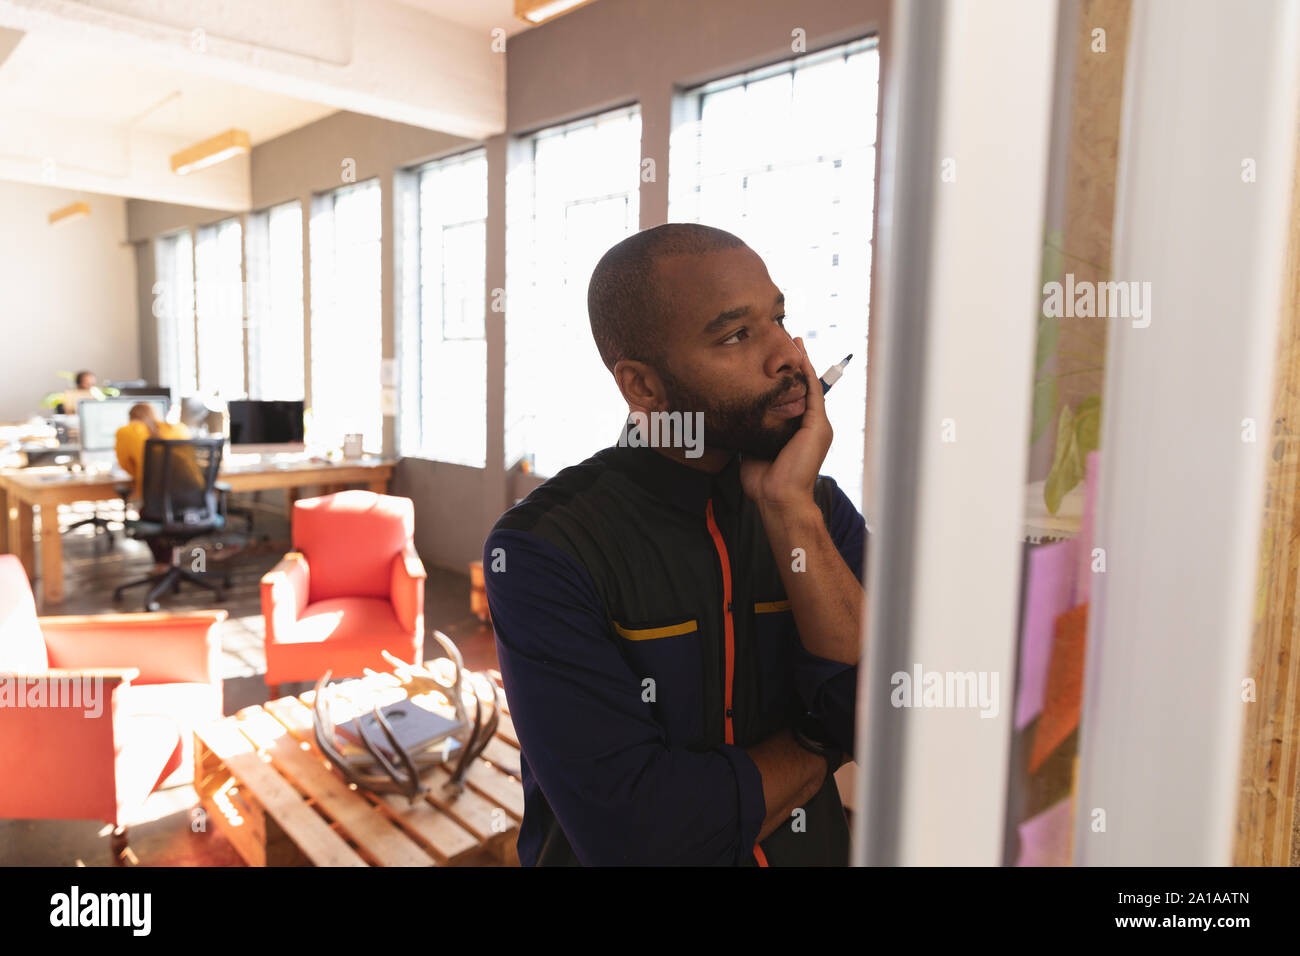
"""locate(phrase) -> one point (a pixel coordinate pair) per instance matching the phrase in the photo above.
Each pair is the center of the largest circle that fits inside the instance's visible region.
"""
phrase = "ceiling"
(50, 76)
(481, 15)
(104, 91)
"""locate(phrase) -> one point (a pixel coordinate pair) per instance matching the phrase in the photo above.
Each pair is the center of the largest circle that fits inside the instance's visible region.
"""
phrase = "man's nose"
(784, 358)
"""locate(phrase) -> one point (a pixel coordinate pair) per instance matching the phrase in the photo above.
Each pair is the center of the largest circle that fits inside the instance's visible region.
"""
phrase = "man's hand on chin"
(787, 482)
(824, 594)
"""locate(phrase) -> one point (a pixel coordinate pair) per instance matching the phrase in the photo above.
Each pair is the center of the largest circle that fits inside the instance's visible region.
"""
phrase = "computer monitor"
(99, 422)
(150, 391)
(266, 426)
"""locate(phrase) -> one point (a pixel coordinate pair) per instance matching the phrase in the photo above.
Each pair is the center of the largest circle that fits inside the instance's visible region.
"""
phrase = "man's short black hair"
(82, 374)
(626, 303)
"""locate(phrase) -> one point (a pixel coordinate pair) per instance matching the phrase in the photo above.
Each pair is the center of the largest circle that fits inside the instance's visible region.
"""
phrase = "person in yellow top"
(144, 424)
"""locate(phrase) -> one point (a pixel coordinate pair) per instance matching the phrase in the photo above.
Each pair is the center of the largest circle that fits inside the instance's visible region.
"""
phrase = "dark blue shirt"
(645, 640)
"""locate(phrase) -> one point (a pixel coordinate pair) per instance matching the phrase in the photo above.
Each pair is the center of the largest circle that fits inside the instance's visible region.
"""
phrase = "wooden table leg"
(20, 531)
(379, 486)
(51, 555)
(290, 496)
(4, 520)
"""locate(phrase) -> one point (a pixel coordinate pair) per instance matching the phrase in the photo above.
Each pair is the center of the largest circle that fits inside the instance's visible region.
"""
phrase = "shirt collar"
(677, 484)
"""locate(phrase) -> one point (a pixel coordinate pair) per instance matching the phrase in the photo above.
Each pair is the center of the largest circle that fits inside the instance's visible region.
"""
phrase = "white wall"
(67, 295)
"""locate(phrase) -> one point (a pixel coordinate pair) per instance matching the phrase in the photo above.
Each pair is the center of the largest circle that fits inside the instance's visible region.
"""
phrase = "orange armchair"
(352, 586)
(97, 711)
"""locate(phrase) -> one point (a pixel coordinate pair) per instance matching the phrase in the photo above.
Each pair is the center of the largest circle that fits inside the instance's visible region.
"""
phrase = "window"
(346, 302)
(218, 265)
(275, 333)
(784, 157)
(451, 249)
(577, 196)
(173, 307)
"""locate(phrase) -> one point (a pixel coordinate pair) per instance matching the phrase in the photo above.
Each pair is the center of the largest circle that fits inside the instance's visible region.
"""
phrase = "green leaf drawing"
(1049, 328)
(1065, 472)
(1053, 257)
(1087, 427)
(1044, 406)
(1078, 432)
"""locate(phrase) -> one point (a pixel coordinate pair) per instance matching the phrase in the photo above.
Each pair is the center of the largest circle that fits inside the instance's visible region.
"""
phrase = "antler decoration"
(479, 738)
(358, 769)
(373, 770)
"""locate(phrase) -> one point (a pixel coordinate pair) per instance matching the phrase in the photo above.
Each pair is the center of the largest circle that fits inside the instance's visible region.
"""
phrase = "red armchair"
(352, 586)
(97, 711)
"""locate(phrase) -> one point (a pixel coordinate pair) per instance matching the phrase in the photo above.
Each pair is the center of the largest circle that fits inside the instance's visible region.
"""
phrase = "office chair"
(180, 504)
(99, 522)
(198, 418)
(224, 491)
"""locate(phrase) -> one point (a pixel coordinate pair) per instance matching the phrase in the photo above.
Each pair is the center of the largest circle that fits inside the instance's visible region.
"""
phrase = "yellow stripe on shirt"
(652, 633)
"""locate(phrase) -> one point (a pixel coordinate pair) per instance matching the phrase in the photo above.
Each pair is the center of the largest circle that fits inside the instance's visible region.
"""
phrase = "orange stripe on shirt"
(729, 627)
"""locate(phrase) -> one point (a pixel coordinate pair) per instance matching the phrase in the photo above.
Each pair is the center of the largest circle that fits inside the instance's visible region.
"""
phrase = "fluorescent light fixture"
(218, 149)
(78, 210)
(539, 11)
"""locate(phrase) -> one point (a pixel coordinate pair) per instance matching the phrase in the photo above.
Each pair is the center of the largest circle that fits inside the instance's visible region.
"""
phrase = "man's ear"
(640, 384)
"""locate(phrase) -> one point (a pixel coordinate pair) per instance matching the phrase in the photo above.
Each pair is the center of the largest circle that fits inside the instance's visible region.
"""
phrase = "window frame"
(214, 229)
(260, 219)
(320, 201)
(410, 293)
(184, 380)
(522, 241)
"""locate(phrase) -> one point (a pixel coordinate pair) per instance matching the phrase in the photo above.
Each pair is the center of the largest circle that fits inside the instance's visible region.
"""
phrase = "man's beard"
(737, 425)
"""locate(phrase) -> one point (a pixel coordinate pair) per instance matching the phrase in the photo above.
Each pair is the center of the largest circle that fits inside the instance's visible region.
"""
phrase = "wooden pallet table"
(264, 784)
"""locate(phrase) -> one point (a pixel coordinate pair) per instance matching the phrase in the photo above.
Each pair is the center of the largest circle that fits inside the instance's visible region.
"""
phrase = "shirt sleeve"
(621, 795)
(828, 688)
(128, 453)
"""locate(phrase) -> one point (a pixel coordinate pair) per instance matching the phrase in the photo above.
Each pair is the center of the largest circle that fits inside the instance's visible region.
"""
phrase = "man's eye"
(740, 334)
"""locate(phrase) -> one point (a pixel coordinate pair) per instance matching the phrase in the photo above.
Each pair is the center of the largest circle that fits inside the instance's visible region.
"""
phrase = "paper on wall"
(1045, 838)
(1049, 592)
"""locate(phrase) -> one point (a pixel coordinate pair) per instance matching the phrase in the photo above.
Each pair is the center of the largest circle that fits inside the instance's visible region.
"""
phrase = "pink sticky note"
(1049, 593)
(1083, 578)
(1045, 839)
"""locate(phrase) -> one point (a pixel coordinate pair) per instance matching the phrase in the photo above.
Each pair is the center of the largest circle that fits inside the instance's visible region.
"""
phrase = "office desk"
(22, 491)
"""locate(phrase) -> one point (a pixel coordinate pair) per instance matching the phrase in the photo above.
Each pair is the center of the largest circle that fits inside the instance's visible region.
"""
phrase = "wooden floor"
(162, 836)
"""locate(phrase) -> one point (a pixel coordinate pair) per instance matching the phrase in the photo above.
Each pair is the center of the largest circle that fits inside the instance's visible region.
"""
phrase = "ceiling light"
(78, 210)
(210, 152)
(539, 11)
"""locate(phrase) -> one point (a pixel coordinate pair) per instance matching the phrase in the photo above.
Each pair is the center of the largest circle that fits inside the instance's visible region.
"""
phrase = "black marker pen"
(832, 374)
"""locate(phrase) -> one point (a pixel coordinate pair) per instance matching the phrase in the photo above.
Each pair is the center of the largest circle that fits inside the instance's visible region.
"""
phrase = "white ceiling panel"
(48, 75)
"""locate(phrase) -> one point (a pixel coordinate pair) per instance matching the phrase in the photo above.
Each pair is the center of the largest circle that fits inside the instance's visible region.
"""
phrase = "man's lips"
(792, 405)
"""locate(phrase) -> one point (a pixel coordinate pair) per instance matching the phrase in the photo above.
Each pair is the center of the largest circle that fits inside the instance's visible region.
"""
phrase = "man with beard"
(678, 633)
